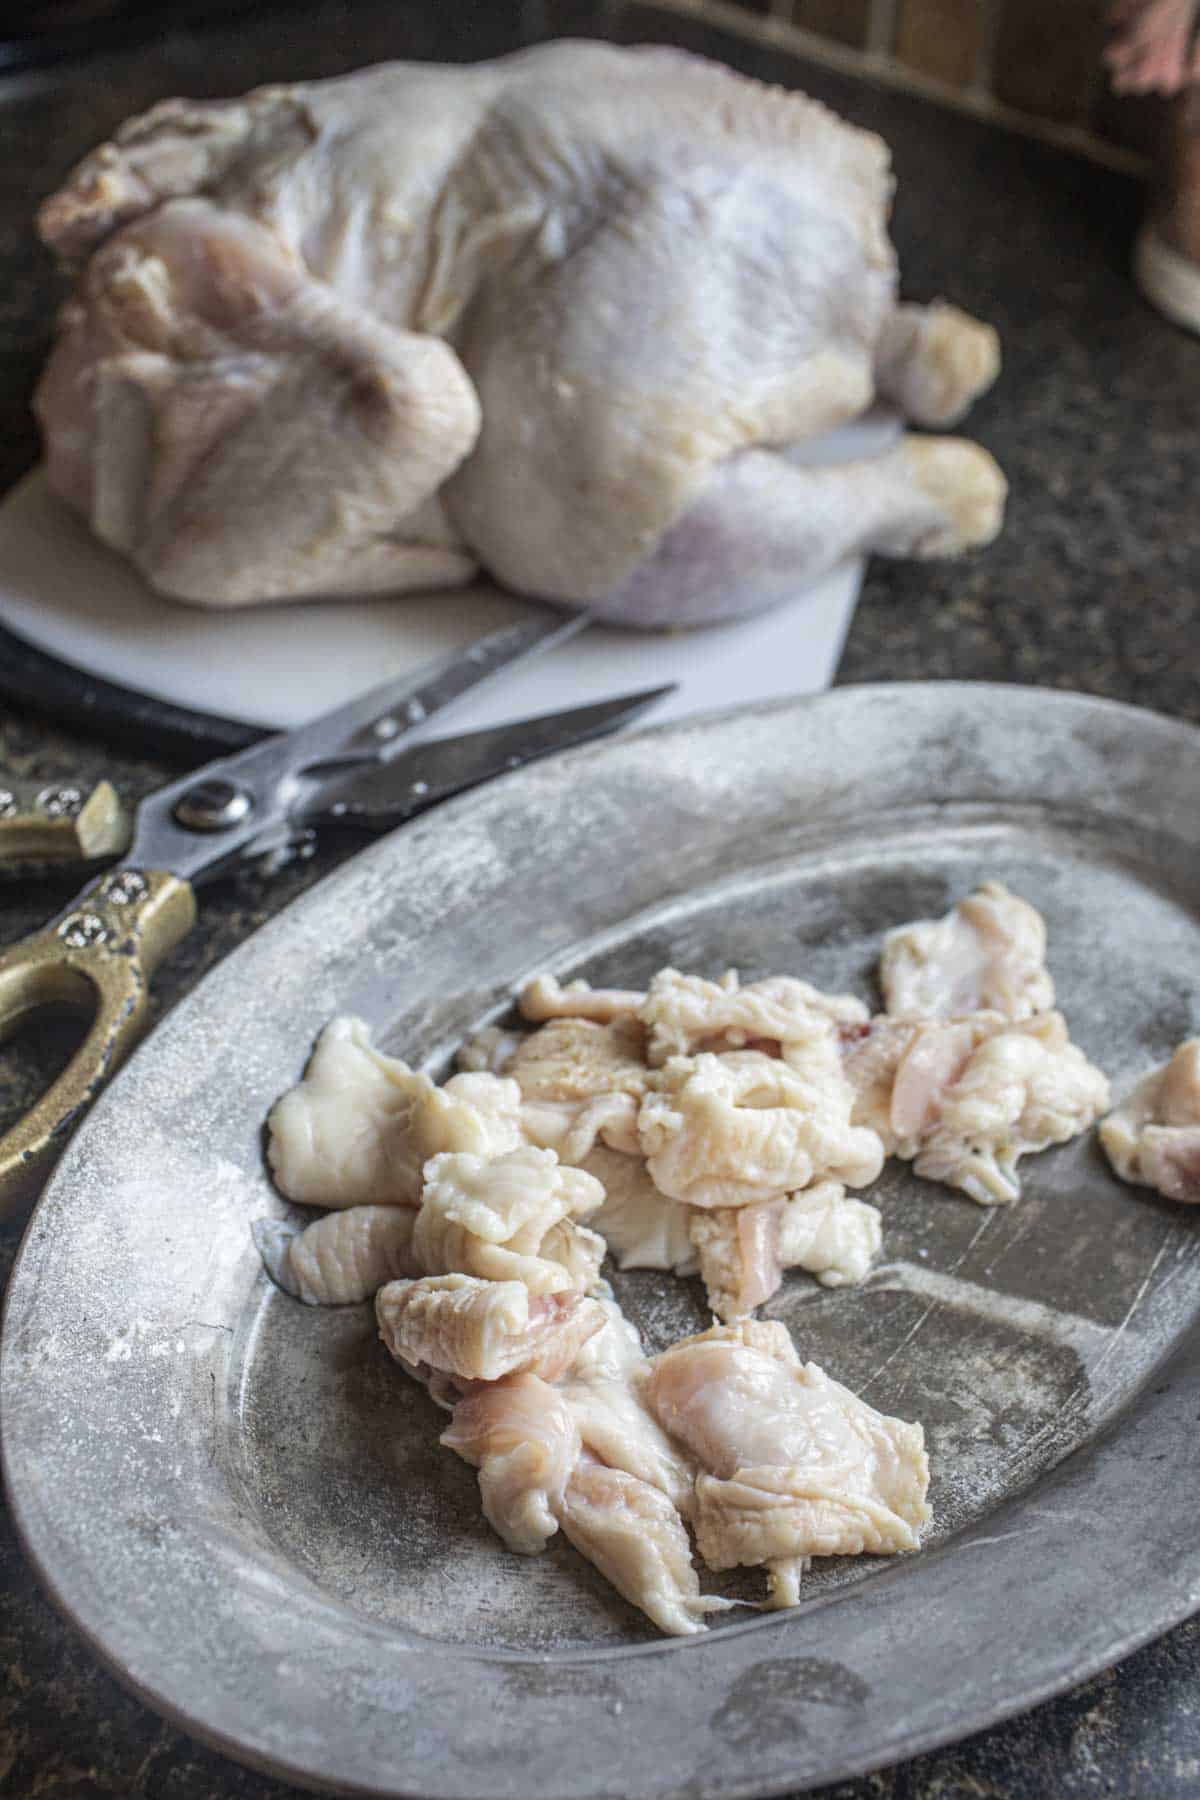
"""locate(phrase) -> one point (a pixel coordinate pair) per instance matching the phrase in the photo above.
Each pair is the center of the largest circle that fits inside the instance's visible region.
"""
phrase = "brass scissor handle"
(61, 823)
(97, 958)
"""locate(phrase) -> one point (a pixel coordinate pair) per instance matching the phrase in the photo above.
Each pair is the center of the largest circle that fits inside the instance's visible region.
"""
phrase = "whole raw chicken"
(566, 316)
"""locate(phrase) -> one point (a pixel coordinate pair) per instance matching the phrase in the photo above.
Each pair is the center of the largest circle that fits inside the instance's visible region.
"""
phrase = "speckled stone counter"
(1092, 586)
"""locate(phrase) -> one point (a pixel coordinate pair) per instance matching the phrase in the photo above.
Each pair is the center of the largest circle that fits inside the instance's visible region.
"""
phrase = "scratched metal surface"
(241, 1500)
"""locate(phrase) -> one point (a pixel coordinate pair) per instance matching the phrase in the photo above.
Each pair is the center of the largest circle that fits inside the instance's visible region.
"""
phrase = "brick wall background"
(1034, 61)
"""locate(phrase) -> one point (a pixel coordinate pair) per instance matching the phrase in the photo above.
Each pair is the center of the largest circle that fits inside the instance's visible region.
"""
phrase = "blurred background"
(1036, 58)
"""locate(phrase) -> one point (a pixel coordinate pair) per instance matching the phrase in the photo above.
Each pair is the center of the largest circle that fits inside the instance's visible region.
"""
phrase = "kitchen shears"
(355, 765)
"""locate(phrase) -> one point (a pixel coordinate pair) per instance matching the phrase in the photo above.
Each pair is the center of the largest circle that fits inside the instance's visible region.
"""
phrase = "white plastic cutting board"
(277, 665)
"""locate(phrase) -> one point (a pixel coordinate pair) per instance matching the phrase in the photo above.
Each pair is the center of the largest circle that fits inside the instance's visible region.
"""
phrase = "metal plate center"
(241, 1501)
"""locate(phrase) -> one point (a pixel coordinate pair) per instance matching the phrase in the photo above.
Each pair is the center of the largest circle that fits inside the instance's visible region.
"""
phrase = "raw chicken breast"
(1153, 1137)
(744, 1251)
(686, 1013)
(1024, 1088)
(521, 1437)
(482, 1330)
(740, 1128)
(988, 953)
(797, 1466)
(340, 1259)
(871, 1054)
(361, 1125)
(494, 1219)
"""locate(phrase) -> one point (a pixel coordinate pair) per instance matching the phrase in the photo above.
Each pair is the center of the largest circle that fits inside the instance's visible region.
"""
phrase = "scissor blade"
(368, 731)
(376, 724)
(426, 773)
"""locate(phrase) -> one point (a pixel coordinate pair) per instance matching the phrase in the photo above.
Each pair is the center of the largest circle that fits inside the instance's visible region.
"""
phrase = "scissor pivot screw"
(214, 805)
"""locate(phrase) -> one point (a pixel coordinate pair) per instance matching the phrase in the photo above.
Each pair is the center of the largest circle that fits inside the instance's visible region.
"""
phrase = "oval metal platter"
(241, 1502)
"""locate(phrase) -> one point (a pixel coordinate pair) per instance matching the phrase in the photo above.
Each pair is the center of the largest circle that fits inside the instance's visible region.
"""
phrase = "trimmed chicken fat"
(1153, 1138)
(695, 1126)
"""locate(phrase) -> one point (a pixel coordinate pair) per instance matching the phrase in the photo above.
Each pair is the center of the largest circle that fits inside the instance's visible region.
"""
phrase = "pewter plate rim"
(1047, 1540)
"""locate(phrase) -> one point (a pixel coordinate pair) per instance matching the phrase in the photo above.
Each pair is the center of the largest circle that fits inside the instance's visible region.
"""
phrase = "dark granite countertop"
(1092, 586)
